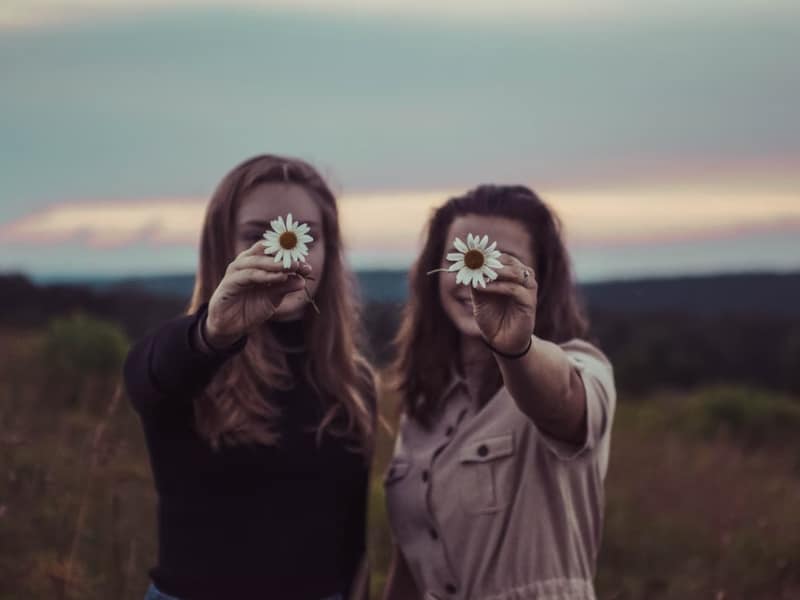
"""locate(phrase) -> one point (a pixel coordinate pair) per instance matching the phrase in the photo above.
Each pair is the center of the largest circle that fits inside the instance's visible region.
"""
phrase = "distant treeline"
(660, 333)
(743, 293)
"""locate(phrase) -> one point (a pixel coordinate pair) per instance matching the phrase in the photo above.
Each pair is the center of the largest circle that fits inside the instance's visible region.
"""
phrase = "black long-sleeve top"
(284, 521)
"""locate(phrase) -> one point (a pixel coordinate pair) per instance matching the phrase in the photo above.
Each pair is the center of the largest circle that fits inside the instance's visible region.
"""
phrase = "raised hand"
(505, 310)
(249, 294)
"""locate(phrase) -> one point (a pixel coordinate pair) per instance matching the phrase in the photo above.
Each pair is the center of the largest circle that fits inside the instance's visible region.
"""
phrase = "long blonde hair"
(233, 408)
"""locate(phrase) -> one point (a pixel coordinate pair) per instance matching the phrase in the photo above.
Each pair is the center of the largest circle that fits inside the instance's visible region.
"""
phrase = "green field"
(703, 487)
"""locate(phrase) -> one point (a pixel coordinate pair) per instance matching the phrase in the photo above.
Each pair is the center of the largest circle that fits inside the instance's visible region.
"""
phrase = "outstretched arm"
(166, 367)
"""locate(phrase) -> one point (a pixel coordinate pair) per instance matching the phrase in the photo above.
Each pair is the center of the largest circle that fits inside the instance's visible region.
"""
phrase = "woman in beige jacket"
(495, 489)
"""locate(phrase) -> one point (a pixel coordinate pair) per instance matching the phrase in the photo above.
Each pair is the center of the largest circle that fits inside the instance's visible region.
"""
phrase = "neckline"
(459, 381)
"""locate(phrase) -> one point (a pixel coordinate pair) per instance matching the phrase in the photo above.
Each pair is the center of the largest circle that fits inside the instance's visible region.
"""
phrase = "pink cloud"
(592, 218)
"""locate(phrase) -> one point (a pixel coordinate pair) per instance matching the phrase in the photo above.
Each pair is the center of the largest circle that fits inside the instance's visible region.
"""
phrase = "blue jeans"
(153, 593)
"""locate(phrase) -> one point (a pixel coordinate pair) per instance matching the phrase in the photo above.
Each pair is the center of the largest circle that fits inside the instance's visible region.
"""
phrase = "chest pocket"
(485, 478)
(397, 470)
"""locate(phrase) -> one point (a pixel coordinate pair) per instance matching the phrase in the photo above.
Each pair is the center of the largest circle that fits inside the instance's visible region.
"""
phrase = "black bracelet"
(503, 354)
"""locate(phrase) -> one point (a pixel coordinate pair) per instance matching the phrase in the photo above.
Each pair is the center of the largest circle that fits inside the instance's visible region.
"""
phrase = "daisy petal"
(491, 247)
(287, 260)
(490, 273)
(484, 241)
(305, 239)
(289, 226)
(455, 256)
(460, 246)
(493, 262)
(456, 266)
(479, 279)
(278, 225)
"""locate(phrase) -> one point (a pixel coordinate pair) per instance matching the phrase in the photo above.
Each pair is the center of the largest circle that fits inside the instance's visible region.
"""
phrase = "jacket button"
(483, 450)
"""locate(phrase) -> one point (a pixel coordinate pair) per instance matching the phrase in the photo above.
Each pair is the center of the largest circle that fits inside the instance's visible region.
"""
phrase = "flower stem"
(436, 271)
(308, 295)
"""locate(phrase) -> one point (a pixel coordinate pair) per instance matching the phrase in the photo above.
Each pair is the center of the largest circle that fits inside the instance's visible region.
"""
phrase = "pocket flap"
(398, 469)
(488, 448)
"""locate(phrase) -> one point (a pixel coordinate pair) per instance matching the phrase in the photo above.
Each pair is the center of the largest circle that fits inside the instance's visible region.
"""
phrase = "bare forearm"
(548, 389)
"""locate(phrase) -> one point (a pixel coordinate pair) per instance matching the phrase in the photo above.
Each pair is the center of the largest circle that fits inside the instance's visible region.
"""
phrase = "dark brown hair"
(426, 337)
(233, 408)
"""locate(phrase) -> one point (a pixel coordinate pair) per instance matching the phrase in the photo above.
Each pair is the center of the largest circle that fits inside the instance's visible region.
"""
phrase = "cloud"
(646, 130)
(393, 221)
(104, 224)
(623, 232)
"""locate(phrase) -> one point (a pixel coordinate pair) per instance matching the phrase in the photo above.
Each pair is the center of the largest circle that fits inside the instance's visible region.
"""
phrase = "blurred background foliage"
(702, 490)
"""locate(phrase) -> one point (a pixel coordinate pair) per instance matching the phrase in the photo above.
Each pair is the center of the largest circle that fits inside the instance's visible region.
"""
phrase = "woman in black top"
(258, 408)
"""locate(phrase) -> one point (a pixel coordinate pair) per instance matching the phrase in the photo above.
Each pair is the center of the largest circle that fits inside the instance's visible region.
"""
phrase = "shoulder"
(592, 364)
(584, 352)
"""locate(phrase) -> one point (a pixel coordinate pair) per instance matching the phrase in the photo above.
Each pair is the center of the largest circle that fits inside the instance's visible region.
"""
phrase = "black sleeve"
(164, 368)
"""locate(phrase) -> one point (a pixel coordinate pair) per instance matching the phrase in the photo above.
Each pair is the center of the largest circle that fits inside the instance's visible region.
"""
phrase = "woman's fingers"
(245, 277)
(256, 249)
(515, 271)
(266, 263)
(504, 288)
(263, 262)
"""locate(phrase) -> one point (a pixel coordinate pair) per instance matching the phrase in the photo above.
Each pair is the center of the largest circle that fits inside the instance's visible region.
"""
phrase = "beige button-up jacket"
(484, 506)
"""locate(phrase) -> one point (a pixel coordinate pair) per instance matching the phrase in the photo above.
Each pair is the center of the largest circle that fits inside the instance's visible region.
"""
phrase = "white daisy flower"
(288, 240)
(474, 261)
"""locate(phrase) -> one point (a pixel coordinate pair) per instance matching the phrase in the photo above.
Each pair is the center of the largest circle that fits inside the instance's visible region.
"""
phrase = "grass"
(702, 490)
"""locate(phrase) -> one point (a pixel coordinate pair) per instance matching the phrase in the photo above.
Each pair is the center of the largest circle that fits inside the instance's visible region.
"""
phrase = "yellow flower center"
(288, 240)
(474, 259)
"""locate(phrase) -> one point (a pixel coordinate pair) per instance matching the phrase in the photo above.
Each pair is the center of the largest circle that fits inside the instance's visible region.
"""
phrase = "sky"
(665, 134)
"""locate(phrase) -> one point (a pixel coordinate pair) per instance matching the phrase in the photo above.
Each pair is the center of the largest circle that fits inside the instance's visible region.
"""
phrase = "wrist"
(213, 341)
(510, 355)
